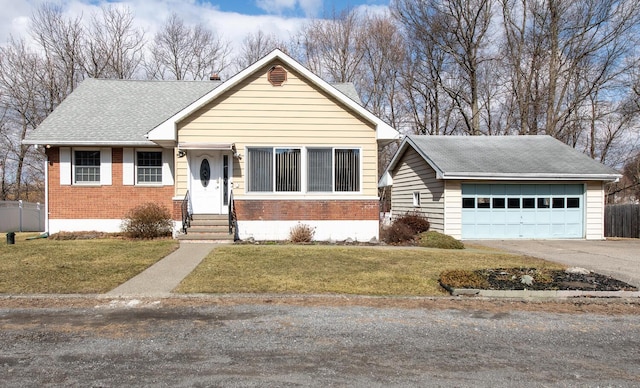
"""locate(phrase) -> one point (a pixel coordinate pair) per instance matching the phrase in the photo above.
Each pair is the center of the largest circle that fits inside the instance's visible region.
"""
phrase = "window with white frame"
(280, 169)
(86, 166)
(333, 169)
(416, 198)
(149, 166)
(288, 169)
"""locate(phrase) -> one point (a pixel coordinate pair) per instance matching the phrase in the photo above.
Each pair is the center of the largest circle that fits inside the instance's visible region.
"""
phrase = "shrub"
(433, 239)
(397, 233)
(301, 233)
(415, 221)
(462, 278)
(405, 228)
(148, 220)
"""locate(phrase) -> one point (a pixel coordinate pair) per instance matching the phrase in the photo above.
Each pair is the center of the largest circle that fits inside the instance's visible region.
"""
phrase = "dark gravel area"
(536, 279)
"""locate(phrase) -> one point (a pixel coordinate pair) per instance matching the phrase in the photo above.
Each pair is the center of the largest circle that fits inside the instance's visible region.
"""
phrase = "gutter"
(49, 144)
(528, 177)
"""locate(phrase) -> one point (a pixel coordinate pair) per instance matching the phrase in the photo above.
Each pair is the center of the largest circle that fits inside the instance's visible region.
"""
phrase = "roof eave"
(87, 143)
(529, 177)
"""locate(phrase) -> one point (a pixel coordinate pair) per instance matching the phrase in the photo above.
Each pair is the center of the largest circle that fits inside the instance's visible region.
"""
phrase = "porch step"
(216, 237)
(208, 227)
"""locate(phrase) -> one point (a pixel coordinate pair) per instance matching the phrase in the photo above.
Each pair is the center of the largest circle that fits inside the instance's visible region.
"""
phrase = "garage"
(504, 211)
(499, 187)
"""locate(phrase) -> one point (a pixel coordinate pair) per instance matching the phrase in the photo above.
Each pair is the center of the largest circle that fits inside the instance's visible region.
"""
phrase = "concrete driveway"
(617, 258)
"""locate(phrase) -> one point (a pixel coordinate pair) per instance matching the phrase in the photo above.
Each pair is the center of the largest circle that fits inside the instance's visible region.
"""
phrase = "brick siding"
(294, 210)
(101, 202)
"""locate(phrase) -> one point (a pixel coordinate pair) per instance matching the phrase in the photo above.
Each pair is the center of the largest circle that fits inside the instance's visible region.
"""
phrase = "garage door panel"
(524, 211)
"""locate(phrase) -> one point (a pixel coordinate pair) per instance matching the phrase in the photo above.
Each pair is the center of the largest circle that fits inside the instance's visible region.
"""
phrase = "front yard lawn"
(75, 266)
(320, 269)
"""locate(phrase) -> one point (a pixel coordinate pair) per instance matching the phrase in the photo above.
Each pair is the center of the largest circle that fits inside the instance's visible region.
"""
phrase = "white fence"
(19, 216)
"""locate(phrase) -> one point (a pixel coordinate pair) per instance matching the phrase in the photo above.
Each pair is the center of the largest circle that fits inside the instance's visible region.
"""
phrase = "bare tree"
(332, 48)
(567, 60)
(24, 106)
(458, 29)
(61, 41)
(180, 52)
(255, 46)
(383, 56)
(113, 46)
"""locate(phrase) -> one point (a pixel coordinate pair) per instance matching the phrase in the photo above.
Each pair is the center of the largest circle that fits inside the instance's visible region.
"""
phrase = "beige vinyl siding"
(594, 211)
(411, 175)
(297, 114)
(453, 209)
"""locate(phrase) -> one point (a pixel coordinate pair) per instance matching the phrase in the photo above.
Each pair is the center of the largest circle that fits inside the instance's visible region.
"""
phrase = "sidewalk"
(162, 277)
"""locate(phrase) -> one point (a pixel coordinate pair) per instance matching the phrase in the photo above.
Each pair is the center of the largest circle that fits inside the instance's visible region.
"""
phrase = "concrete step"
(217, 237)
(202, 222)
(208, 229)
(210, 216)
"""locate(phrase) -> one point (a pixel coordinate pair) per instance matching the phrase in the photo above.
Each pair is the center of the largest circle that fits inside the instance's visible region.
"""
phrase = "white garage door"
(504, 211)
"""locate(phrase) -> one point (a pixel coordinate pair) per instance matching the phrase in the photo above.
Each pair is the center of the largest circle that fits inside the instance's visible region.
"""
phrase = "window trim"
(304, 166)
(416, 199)
(136, 182)
(74, 164)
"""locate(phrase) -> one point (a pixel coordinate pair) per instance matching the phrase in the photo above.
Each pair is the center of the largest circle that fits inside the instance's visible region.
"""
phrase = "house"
(499, 187)
(274, 145)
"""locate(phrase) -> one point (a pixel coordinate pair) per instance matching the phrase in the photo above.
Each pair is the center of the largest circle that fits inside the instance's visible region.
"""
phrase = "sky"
(232, 19)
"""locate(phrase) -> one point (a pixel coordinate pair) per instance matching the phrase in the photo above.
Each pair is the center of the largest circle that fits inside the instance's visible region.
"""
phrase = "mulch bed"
(545, 279)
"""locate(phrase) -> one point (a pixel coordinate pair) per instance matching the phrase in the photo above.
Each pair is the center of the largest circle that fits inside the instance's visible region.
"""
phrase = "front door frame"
(218, 180)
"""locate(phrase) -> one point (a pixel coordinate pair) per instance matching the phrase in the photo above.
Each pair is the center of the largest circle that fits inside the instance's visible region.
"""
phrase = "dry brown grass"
(76, 266)
(318, 269)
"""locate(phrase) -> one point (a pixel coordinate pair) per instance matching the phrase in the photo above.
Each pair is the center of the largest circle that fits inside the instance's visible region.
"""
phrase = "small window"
(544, 203)
(573, 203)
(149, 166)
(87, 166)
(498, 203)
(484, 203)
(513, 203)
(416, 198)
(557, 203)
(468, 203)
(528, 203)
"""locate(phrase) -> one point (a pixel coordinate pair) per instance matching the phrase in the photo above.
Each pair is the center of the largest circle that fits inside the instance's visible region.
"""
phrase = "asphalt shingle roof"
(122, 112)
(507, 156)
(116, 111)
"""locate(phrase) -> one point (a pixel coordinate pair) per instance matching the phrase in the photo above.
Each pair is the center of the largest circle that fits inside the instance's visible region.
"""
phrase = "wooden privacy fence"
(622, 221)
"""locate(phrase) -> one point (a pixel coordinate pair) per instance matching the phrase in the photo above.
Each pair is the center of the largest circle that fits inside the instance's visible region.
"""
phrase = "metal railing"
(233, 220)
(186, 214)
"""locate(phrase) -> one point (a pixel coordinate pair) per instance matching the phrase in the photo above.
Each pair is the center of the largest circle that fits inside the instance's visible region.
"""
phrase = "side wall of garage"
(416, 189)
(594, 221)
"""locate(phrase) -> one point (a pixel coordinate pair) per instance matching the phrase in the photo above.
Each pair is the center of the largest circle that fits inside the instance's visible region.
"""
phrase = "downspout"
(46, 192)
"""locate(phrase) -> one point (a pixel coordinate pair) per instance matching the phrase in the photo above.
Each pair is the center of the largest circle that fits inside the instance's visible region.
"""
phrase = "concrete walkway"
(165, 275)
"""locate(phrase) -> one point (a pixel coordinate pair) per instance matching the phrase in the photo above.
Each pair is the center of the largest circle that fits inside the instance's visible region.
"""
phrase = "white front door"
(206, 182)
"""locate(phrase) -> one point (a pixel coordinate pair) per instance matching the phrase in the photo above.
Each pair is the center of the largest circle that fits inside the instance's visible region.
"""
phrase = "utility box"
(11, 238)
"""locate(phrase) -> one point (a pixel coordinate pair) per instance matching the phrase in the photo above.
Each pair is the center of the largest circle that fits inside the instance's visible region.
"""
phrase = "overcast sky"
(232, 19)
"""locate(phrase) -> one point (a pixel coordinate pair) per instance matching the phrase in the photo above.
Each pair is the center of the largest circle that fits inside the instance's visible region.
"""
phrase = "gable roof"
(166, 132)
(503, 158)
(116, 112)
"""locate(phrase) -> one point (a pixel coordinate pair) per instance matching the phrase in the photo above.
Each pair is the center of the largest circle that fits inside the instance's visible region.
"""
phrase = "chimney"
(214, 77)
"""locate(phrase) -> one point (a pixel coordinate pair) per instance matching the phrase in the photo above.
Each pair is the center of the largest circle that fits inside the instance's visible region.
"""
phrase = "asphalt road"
(127, 344)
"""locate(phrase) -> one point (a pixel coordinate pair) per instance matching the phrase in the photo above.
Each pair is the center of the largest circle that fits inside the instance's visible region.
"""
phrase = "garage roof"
(503, 158)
